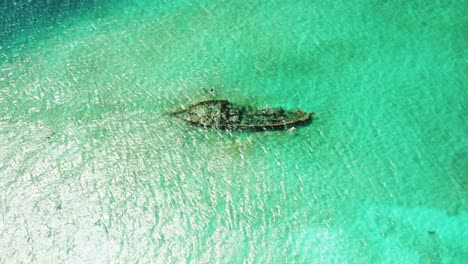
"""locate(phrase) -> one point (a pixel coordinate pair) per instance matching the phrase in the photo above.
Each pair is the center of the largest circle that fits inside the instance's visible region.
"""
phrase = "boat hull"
(222, 114)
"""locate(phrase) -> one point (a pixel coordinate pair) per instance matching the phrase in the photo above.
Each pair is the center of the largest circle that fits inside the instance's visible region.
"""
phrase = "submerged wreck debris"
(222, 114)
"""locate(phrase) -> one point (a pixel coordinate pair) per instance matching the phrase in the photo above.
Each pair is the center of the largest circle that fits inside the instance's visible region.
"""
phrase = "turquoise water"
(93, 170)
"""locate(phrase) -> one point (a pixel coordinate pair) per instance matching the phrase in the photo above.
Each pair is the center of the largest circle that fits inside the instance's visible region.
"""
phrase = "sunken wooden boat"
(222, 114)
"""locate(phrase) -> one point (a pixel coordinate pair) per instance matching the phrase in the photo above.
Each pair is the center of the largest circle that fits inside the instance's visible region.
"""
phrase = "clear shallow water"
(94, 170)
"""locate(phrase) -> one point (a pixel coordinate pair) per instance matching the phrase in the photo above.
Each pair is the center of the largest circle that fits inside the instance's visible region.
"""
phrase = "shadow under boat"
(222, 114)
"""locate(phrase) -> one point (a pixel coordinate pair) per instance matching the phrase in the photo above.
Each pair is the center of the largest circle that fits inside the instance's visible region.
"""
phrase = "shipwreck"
(222, 114)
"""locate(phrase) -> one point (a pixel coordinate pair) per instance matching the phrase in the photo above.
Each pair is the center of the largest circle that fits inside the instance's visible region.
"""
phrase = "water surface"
(93, 169)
